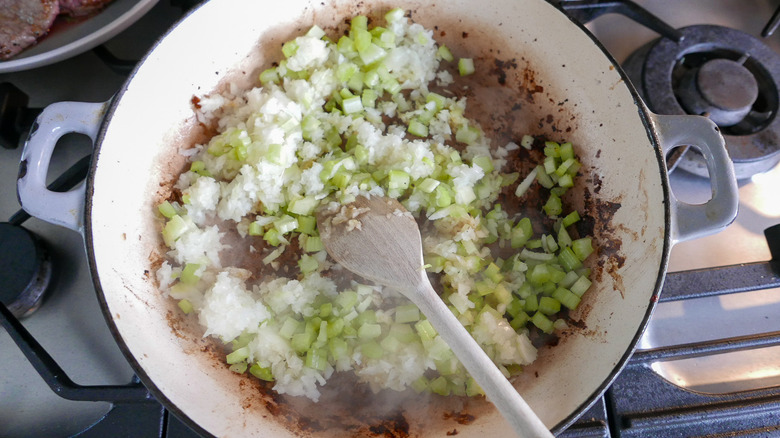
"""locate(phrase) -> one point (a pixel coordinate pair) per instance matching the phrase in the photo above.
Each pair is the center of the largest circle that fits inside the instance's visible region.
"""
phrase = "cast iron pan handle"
(691, 221)
(64, 209)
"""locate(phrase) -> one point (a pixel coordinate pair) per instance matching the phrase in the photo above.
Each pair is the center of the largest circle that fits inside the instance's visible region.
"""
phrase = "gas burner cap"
(25, 270)
(725, 74)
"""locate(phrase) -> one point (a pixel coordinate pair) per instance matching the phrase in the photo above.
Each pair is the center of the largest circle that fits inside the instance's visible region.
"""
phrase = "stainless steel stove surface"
(70, 326)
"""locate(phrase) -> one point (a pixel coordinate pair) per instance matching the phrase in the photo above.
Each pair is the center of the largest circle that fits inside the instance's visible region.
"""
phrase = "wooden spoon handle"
(497, 388)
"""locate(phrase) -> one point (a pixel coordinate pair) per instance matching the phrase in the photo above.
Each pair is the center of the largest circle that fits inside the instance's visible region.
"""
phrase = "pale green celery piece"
(335, 327)
(346, 300)
(166, 209)
(542, 322)
(346, 45)
(466, 66)
(238, 368)
(568, 259)
(338, 347)
(303, 206)
(315, 32)
(272, 237)
(467, 134)
(425, 330)
(444, 53)
(394, 15)
(369, 331)
(262, 373)
(306, 225)
(317, 359)
(417, 128)
(582, 247)
(286, 224)
(199, 167)
(269, 76)
(352, 105)
(437, 99)
(174, 229)
(549, 305)
(580, 286)
(439, 386)
(398, 179)
(407, 313)
(566, 181)
(372, 54)
(313, 244)
(308, 264)
(368, 98)
(188, 275)
(322, 334)
(371, 78)
(391, 344)
(185, 305)
(563, 237)
(566, 151)
(442, 195)
(255, 229)
(237, 356)
(289, 48)
(290, 326)
(485, 162)
(566, 297)
(393, 87)
(428, 185)
(372, 350)
(355, 83)
(358, 22)
(553, 206)
(384, 38)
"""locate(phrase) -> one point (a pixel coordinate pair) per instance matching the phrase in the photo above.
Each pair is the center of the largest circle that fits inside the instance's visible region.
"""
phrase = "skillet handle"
(64, 209)
(692, 221)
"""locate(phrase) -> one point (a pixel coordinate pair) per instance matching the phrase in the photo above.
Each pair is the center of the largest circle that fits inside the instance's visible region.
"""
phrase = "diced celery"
(467, 134)
(306, 225)
(369, 331)
(439, 386)
(166, 209)
(317, 359)
(285, 224)
(542, 322)
(425, 330)
(571, 219)
(531, 304)
(390, 344)
(407, 313)
(372, 350)
(352, 105)
(519, 321)
(485, 162)
(568, 259)
(368, 98)
(302, 206)
(394, 15)
(238, 368)
(346, 300)
(174, 229)
(301, 342)
(313, 244)
(566, 297)
(289, 48)
(308, 264)
(188, 274)
(398, 179)
(580, 286)
(372, 54)
(268, 76)
(553, 206)
(338, 347)
(185, 305)
(582, 247)
(358, 22)
(289, 327)
(445, 53)
(262, 373)
(549, 305)
(237, 356)
(417, 128)
(255, 229)
(466, 66)
(442, 196)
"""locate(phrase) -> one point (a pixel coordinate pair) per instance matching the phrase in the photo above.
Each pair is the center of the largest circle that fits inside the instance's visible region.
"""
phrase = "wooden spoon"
(379, 240)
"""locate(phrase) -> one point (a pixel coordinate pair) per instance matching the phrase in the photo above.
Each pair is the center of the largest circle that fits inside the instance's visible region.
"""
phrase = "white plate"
(71, 39)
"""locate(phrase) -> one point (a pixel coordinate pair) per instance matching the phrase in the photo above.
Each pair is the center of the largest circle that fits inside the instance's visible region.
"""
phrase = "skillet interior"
(537, 73)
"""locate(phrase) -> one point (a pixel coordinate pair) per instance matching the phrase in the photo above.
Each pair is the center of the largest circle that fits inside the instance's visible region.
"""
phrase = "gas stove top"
(709, 356)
